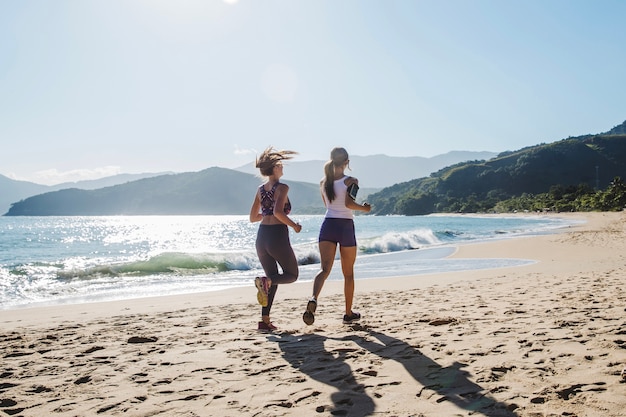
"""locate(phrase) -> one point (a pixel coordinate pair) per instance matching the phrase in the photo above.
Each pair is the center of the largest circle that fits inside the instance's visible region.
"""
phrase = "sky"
(92, 88)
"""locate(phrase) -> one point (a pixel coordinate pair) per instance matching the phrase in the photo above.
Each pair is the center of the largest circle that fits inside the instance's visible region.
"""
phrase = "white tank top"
(337, 208)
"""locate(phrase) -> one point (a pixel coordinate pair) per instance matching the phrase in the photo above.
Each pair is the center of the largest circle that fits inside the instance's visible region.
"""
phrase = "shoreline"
(547, 338)
(241, 294)
(335, 276)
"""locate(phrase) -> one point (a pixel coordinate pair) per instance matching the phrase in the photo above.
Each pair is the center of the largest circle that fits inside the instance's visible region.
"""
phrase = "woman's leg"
(327, 258)
(269, 265)
(289, 264)
(348, 257)
(265, 311)
(285, 257)
(279, 248)
(276, 251)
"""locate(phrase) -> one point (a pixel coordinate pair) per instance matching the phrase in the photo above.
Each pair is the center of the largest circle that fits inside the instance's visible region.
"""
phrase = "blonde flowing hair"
(338, 157)
(270, 157)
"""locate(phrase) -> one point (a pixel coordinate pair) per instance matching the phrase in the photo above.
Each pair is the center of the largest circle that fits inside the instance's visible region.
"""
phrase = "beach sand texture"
(546, 339)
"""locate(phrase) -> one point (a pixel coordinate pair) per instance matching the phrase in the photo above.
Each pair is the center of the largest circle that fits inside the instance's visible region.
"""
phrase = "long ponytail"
(338, 157)
(329, 174)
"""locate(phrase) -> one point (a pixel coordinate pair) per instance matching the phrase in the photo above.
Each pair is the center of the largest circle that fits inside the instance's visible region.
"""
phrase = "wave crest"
(399, 241)
(167, 263)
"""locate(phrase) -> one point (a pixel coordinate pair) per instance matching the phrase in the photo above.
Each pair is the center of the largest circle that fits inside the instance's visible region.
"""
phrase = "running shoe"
(263, 289)
(309, 314)
(267, 327)
(347, 319)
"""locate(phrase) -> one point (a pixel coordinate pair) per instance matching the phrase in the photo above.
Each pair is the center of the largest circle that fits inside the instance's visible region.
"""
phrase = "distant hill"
(211, 191)
(377, 171)
(374, 173)
(617, 130)
(470, 183)
(14, 190)
(592, 161)
(106, 181)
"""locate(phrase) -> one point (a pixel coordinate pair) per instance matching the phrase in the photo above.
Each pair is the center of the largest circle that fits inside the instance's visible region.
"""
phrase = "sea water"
(66, 260)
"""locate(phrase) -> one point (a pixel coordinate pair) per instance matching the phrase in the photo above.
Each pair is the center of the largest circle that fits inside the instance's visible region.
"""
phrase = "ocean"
(70, 260)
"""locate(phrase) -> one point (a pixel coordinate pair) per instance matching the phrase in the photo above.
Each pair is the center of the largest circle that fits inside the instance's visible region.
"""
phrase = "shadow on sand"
(308, 354)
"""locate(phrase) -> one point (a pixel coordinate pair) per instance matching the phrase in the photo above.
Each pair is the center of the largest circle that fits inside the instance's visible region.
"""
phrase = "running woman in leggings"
(271, 207)
(337, 229)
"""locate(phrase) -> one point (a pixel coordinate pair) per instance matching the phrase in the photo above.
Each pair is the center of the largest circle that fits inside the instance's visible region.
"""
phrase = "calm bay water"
(65, 260)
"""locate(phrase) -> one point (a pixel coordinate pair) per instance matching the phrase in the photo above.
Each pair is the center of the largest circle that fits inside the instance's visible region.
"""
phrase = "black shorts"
(338, 231)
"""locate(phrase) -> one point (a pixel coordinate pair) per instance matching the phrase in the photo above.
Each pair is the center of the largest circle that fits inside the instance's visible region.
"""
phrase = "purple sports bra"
(268, 202)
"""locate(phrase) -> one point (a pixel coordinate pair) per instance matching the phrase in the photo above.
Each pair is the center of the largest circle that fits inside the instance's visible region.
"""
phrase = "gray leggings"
(274, 248)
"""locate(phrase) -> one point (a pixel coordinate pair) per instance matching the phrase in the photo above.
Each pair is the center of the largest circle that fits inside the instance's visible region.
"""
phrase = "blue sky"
(90, 88)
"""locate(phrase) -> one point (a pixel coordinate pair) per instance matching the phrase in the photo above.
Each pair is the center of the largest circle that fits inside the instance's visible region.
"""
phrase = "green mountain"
(590, 161)
(211, 191)
(390, 170)
(569, 169)
(15, 190)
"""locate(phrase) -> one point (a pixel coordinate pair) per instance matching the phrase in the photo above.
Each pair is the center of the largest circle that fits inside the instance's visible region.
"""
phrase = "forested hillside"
(390, 170)
(14, 190)
(211, 191)
(564, 175)
(574, 174)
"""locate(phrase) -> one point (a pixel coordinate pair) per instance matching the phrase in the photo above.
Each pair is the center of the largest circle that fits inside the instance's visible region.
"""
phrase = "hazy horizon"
(251, 162)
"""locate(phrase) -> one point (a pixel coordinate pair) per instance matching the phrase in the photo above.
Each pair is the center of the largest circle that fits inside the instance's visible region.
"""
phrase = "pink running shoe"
(267, 327)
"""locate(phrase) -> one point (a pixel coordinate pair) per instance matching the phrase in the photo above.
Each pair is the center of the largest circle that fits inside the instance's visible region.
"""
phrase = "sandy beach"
(545, 339)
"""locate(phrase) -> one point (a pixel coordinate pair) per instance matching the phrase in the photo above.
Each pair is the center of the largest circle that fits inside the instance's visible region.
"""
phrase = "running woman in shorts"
(337, 229)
